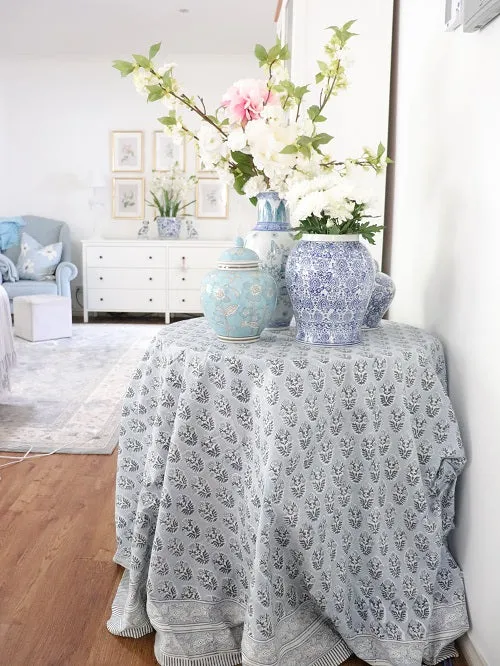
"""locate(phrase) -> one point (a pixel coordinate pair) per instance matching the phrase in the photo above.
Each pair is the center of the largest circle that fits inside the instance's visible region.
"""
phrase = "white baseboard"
(469, 651)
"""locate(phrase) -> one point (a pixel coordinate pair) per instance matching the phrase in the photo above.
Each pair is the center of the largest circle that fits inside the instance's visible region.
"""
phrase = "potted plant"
(169, 192)
(265, 133)
(330, 275)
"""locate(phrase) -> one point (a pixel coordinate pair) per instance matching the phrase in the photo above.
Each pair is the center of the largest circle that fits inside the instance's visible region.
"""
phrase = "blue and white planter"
(272, 239)
(330, 280)
(169, 227)
(380, 301)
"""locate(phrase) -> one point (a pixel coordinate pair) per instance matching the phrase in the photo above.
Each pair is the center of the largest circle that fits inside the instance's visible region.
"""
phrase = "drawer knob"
(150, 300)
(101, 299)
(100, 278)
(183, 300)
(150, 279)
(100, 256)
(150, 257)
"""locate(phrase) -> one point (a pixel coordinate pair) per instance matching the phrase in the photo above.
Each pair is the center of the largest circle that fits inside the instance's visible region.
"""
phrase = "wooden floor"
(57, 578)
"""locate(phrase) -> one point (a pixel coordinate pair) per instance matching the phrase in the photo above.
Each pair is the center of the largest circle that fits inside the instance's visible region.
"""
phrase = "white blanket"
(7, 353)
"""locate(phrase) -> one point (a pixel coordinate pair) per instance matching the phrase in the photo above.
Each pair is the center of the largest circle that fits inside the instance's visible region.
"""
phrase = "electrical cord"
(19, 459)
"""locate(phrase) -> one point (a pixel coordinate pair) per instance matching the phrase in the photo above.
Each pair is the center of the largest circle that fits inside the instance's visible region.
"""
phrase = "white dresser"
(146, 276)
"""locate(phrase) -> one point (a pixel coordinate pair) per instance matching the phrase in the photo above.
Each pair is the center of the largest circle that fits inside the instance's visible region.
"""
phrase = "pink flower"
(245, 100)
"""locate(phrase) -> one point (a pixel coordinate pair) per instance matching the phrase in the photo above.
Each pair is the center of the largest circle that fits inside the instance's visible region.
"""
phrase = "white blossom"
(254, 186)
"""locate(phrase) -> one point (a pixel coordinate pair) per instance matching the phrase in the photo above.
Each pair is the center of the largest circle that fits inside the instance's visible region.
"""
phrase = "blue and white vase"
(168, 227)
(330, 279)
(380, 301)
(272, 239)
(238, 298)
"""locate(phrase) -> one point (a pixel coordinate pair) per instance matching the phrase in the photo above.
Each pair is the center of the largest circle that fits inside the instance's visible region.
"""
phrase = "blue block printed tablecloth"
(285, 505)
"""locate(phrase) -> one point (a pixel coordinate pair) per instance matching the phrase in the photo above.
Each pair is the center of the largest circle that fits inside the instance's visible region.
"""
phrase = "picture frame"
(201, 170)
(127, 150)
(212, 199)
(166, 153)
(128, 198)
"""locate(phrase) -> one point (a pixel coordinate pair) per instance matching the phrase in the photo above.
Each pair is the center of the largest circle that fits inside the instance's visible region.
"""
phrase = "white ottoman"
(42, 317)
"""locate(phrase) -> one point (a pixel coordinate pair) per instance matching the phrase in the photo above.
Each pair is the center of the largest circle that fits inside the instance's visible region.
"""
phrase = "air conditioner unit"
(478, 13)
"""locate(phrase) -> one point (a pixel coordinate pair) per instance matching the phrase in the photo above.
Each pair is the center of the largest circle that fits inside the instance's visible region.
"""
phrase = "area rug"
(68, 393)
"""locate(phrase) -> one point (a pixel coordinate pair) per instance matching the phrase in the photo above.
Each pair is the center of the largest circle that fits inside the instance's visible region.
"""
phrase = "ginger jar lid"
(238, 256)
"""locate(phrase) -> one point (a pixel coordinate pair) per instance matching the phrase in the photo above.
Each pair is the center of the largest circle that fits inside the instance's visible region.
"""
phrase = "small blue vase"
(272, 239)
(238, 298)
(330, 280)
(380, 301)
(168, 227)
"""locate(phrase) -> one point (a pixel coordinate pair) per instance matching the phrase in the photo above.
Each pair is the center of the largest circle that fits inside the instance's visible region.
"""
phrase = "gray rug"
(68, 393)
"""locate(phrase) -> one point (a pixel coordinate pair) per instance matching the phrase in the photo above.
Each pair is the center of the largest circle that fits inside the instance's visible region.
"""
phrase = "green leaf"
(304, 140)
(142, 61)
(244, 161)
(300, 91)
(260, 53)
(168, 121)
(124, 67)
(253, 201)
(239, 182)
(155, 93)
(321, 139)
(319, 77)
(348, 25)
(167, 80)
(380, 150)
(154, 50)
(306, 151)
(313, 111)
(320, 119)
(285, 53)
(274, 52)
(323, 67)
(289, 150)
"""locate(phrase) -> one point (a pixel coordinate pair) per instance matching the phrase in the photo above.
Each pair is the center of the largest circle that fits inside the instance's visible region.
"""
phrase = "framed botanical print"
(128, 198)
(127, 151)
(167, 153)
(212, 198)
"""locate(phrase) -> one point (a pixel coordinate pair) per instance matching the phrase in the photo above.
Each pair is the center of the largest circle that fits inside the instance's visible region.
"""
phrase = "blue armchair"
(45, 231)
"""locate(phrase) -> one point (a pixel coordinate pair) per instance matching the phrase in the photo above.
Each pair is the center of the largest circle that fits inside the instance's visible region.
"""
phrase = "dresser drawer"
(126, 278)
(193, 257)
(184, 301)
(126, 300)
(114, 256)
(188, 279)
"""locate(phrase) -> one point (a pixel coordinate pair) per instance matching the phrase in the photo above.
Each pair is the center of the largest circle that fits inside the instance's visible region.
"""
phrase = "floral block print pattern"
(282, 504)
(37, 262)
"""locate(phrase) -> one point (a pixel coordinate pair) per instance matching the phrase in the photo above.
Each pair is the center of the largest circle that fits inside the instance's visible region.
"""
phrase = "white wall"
(55, 120)
(445, 261)
(358, 116)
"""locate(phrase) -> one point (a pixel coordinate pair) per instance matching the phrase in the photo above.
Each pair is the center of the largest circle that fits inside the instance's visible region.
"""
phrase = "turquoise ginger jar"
(238, 298)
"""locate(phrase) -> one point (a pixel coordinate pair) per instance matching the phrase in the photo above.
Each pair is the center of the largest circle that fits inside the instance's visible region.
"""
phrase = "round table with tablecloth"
(279, 504)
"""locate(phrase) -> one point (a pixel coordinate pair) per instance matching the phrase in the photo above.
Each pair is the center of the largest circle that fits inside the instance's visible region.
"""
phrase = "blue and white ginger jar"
(238, 298)
(380, 301)
(330, 279)
(272, 239)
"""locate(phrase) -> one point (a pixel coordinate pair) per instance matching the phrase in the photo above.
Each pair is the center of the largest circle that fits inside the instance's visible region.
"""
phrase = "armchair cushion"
(37, 262)
(29, 288)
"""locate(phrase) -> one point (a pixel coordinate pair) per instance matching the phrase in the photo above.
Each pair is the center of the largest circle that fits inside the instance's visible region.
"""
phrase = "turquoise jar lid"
(238, 256)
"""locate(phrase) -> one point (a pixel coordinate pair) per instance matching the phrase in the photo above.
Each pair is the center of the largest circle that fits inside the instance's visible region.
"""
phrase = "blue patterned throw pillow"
(37, 262)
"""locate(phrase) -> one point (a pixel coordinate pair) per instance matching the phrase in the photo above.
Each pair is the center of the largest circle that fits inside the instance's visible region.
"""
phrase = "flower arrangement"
(264, 136)
(170, 191)
(327, 205)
